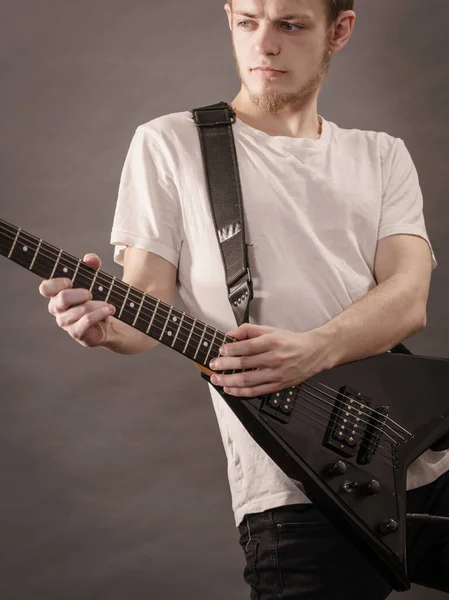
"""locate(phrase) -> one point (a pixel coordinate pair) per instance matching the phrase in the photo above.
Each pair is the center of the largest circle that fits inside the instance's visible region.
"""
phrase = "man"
(341, 264)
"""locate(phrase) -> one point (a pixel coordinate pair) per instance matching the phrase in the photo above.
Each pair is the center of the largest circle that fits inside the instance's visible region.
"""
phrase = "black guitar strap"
(214, 125)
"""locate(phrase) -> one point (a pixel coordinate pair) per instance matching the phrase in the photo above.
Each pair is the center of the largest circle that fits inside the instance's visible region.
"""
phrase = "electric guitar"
(348, 434)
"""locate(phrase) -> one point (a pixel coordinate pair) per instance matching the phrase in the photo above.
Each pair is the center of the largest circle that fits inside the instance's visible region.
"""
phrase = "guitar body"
(348, 434)
(357, 476)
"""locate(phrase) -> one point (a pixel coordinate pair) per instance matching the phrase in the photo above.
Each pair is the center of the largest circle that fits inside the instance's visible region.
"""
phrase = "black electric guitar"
(348, 434)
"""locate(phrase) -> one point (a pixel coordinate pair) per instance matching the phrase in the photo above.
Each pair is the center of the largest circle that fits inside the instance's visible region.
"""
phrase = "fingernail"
(214, 379)
(213, 364)
(111, 309)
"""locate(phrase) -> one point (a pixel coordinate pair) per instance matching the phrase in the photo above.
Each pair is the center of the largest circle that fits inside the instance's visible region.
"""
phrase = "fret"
(124, 302)
(166, 323)
(76, 271)
(110, 289)
(128, 305)
(24, 250)
(203, 346)
(56, 265)
(35, 255)
(190, 335)
(152, 318)
(65, 266)
(179, 329)
(206, 360)
(14, 242)
(44, 260)
(138, 312)
(94, 280)
(99, 289)
(172, 327)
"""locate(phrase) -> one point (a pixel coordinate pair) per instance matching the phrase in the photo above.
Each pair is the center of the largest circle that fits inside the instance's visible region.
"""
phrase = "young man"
(341, 264)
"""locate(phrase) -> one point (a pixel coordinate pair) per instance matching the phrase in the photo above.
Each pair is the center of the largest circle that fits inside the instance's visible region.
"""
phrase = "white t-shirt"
(314, 211)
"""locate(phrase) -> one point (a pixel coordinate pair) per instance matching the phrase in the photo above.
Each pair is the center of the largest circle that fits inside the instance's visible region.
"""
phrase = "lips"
(267, 69)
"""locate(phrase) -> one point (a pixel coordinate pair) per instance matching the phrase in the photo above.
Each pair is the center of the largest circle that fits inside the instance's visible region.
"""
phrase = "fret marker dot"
(206, 344)
(169, 334)
(100, 288)
(25, 249)
(175, 319)
(132, 304)
(65, 269)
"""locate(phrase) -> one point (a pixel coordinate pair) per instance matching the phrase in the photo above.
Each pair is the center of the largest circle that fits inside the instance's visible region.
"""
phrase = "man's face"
(287, 35)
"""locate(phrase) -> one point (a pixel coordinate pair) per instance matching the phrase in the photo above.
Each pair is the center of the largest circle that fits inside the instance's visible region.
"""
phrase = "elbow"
(420, 319)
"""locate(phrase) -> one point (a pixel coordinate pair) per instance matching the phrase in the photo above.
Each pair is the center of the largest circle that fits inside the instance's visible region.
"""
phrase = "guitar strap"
(214, 123)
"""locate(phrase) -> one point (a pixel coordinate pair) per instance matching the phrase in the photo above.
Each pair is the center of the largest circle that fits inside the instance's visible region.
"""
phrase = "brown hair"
(335, 7)
(338, 6)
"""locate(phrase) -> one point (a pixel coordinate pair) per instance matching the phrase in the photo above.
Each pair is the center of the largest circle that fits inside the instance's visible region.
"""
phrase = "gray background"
(113, 477)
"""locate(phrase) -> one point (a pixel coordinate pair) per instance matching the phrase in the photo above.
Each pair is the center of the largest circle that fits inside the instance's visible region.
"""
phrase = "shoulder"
(170, 129)
(376, 143)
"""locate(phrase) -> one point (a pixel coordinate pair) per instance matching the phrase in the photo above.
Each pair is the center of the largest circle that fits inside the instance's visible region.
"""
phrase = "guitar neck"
(185, 334)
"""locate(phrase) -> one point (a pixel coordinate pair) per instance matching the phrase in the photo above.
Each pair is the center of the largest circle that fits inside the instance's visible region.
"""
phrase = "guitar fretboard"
(166, 324)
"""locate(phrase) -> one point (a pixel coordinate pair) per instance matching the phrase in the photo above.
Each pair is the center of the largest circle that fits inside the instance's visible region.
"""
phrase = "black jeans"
(294, 553)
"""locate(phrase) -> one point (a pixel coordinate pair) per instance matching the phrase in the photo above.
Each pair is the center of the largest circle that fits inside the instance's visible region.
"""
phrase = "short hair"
(334, 7)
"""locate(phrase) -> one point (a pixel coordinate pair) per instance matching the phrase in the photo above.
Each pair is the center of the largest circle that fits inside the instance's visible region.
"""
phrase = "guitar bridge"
(346, 422)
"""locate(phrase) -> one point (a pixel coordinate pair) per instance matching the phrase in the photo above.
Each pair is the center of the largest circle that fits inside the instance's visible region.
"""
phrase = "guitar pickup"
(280, 405)
(346, 422)
(373, 434)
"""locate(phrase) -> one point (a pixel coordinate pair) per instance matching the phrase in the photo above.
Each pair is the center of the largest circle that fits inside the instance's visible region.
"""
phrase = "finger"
(80, 328)
(93, 260)
(251, 346)
(68, 298)
(74, 314)
(50, 287)
(252, 392)
(244, 380)
(234, 363)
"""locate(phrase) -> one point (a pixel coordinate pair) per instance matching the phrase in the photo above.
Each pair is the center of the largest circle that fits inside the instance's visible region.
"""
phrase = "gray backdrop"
(113, 477)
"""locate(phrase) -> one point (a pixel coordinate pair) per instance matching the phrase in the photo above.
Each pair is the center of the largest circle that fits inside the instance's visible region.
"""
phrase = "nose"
(267, 41)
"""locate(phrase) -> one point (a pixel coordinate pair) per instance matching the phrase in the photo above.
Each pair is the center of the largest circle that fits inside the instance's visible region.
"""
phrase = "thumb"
(93, 260)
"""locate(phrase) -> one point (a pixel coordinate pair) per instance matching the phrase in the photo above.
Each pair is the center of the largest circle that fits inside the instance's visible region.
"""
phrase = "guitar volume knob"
(337, 469)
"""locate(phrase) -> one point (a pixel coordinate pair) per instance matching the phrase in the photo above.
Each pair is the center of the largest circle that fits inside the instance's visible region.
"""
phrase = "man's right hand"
(85, 320)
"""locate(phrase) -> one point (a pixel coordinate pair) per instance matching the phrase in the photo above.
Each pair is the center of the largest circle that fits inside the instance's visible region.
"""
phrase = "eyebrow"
(282, 17)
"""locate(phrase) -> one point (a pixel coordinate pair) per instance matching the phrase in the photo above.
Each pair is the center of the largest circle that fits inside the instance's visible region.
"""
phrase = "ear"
(342, 30)
(228, 10)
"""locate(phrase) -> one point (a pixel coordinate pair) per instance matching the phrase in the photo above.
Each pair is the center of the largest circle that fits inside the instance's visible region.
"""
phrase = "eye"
(292, 25)
(242, 23)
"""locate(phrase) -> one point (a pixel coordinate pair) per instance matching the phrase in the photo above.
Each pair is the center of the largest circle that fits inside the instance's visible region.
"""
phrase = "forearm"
(124, 339)
(384, 317)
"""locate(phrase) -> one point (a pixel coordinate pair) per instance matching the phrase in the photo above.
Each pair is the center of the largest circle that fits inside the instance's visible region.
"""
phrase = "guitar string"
(344, 412)
(386, 451)
(301, 434)
(360, 432)
(72, 259)
(374, 410)
(340, 410)
(90, 272)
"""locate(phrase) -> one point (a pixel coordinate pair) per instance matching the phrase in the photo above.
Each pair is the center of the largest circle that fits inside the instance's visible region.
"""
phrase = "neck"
(196, 340)
(290, 122)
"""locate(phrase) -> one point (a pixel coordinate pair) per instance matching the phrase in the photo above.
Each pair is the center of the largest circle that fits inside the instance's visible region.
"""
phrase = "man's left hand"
(281, 359)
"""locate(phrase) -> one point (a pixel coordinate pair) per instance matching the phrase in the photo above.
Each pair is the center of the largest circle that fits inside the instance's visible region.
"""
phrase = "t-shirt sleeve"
(148, 213)
(402, 201)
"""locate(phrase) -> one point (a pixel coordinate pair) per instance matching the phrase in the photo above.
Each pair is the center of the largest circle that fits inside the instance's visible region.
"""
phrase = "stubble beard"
(271, 101)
